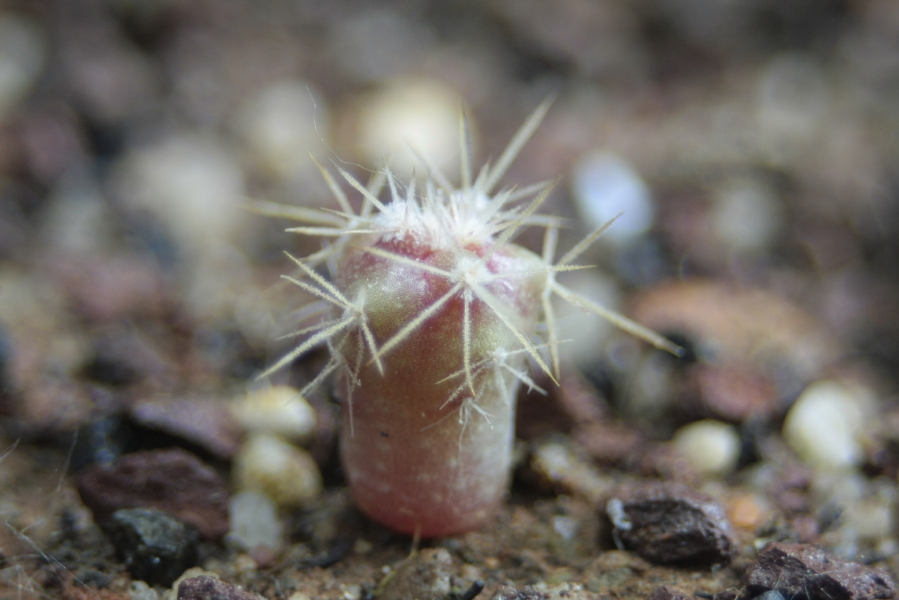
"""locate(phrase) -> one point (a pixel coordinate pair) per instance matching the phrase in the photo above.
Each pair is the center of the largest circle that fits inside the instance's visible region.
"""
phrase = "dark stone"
(170, 480)
(808, 572)
(663, 592)
(154, 546)
(210, 588)
(669, 523)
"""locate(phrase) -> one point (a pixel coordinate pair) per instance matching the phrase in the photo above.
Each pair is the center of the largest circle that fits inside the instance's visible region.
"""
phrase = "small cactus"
(430, 318)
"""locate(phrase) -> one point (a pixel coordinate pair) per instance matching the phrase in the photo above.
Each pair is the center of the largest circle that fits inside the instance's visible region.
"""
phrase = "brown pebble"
(669, 523)
(172, 480)
(424, 575)
(210, 588)
(205, 422)
(811, 572)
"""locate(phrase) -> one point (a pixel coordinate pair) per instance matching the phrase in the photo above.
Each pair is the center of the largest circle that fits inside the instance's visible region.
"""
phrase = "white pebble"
(278, 410)
(285, 473)
(712, 447)
(192, 184)
(793, 101)
(283, 124)
(824, 426)
(746, 215)
(21, 58)
(420, 113)
(605, 185)
(254, 520)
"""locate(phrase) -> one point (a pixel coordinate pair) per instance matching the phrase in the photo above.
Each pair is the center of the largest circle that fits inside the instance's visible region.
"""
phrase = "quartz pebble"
(605, 187)
(712, 447)
(824, 426)
(282, 125)
(254, 520)
(285, 473)
(277, 410)
(190, 183)
(746, 215)
(419, 113)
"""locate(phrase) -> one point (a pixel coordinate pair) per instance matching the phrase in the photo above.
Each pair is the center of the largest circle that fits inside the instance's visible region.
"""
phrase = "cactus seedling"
(430, 315)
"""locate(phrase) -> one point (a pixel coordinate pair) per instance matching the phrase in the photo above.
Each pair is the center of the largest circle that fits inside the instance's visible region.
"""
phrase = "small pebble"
(712, 447)
(604, 186)
(192, 184)
(254, 520)
(21, 58)
(811, 572)
(285, 473)
(746, 215)
(154, 546)
(748, 511)
(824, 426)
(558, 466)
(205, 422)
(283, 125)
(668, 523)
(421, 113)
(277, 410)
(172, 480)
(793, 99)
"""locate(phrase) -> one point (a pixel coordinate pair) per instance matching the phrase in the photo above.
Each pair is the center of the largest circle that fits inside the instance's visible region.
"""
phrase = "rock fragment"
(204, 422)
(808, 572)
(171, 480)
(154, 546)
(669, 523)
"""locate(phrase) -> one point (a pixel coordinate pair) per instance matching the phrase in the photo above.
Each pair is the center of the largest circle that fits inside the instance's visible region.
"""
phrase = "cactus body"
(424, 453)
(430, 316)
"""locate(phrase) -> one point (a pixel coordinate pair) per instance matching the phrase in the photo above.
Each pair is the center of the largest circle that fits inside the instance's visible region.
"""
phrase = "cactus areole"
(430, 315)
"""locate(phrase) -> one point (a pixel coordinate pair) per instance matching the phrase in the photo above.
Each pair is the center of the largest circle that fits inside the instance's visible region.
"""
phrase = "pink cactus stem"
(431, 320)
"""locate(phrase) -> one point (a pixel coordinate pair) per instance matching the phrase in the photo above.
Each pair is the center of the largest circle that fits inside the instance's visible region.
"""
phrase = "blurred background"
(753, 143)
